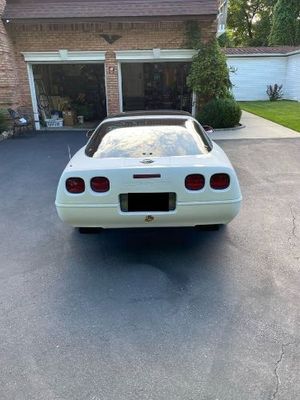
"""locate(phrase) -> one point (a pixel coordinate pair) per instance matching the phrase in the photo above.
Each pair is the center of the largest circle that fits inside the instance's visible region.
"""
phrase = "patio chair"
(20, 121)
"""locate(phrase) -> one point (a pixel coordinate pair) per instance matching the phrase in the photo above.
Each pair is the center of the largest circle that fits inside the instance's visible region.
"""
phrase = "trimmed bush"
(3, 121)
(209, 74)
(220, 113)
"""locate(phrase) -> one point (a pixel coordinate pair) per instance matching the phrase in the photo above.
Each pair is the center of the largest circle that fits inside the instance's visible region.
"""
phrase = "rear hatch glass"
(147, 138)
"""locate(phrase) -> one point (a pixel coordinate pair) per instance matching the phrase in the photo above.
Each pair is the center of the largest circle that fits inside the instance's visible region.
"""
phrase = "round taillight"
(75, 185)
(194, 182)
(220, 181)
(100, 184)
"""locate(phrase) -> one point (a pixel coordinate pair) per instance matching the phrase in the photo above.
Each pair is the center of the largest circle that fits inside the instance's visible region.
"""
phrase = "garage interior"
(156, 86)
(70, 95)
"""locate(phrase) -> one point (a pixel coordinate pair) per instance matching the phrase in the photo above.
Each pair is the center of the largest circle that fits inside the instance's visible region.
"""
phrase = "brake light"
(100, 184)
(220, 181)
(194, 182)
(75, 185)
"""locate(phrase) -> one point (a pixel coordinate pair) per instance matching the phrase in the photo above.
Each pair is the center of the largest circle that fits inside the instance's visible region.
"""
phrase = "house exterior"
(128, 39)
(256, 68)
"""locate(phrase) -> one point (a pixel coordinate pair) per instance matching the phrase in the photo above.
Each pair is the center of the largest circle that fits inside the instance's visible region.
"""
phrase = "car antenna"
(69, 152)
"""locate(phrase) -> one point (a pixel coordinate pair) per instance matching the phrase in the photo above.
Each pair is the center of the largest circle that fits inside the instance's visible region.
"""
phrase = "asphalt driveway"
(170, 314)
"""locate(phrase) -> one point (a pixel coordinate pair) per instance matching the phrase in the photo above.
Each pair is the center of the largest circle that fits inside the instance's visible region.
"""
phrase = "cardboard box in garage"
(70, 118)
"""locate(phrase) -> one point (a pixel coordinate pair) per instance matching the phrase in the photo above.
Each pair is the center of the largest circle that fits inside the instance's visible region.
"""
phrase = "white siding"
(254, 73)
(293, 77)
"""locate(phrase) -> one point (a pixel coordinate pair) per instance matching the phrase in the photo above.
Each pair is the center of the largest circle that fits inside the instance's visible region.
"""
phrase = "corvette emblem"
(149, 218)
(147, 161)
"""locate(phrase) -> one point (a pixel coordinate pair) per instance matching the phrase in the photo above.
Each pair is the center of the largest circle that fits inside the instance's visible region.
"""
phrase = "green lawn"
(284, 112)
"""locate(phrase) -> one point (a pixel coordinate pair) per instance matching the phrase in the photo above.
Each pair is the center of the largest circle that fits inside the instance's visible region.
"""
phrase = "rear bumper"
(186, 214)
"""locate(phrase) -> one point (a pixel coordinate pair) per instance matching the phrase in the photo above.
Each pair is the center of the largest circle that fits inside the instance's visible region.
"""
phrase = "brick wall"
(9, 95)
(86, 36)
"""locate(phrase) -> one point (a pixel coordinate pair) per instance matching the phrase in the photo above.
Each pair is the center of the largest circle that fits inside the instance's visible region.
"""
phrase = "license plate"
(146, 202)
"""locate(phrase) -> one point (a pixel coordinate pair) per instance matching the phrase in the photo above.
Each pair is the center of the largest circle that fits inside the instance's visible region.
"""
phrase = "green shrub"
(220, 113)
(274, 92)
(3, 121)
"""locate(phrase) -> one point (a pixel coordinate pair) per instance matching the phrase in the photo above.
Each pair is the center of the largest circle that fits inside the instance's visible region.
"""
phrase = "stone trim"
(158, 55)
(64, 56)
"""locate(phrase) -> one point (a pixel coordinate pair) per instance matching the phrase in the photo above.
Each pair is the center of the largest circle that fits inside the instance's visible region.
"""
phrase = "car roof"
(150, 114)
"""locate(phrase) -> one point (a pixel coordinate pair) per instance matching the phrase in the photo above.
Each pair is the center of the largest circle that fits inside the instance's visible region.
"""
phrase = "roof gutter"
(123, 18)
(263, 54)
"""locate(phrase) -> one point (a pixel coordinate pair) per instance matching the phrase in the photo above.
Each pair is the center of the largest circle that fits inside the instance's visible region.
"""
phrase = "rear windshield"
(135, 138)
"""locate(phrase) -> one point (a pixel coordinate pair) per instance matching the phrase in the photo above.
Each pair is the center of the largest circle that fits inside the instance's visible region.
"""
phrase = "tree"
(249, 21)
(226, 39)
(285, 23)
(209, 74)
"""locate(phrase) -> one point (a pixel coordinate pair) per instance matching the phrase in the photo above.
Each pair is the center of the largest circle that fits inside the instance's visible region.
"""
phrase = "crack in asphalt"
(294, 228)
(278, 362)
(294, 222)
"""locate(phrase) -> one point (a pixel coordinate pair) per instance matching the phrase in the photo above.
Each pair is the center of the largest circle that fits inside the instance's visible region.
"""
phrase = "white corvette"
(148, 169)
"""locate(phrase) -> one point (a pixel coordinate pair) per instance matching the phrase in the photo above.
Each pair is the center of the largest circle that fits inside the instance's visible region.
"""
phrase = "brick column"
(112, 83)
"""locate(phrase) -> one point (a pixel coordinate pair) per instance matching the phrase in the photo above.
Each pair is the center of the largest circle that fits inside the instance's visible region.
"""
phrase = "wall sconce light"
(110, 38)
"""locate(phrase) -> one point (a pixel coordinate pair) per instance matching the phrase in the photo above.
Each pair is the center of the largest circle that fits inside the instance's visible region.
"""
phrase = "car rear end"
(148, 172)
(157, 195)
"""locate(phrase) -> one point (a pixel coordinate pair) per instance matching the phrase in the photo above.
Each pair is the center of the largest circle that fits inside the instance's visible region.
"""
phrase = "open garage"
(156, 85)
(70, 95)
